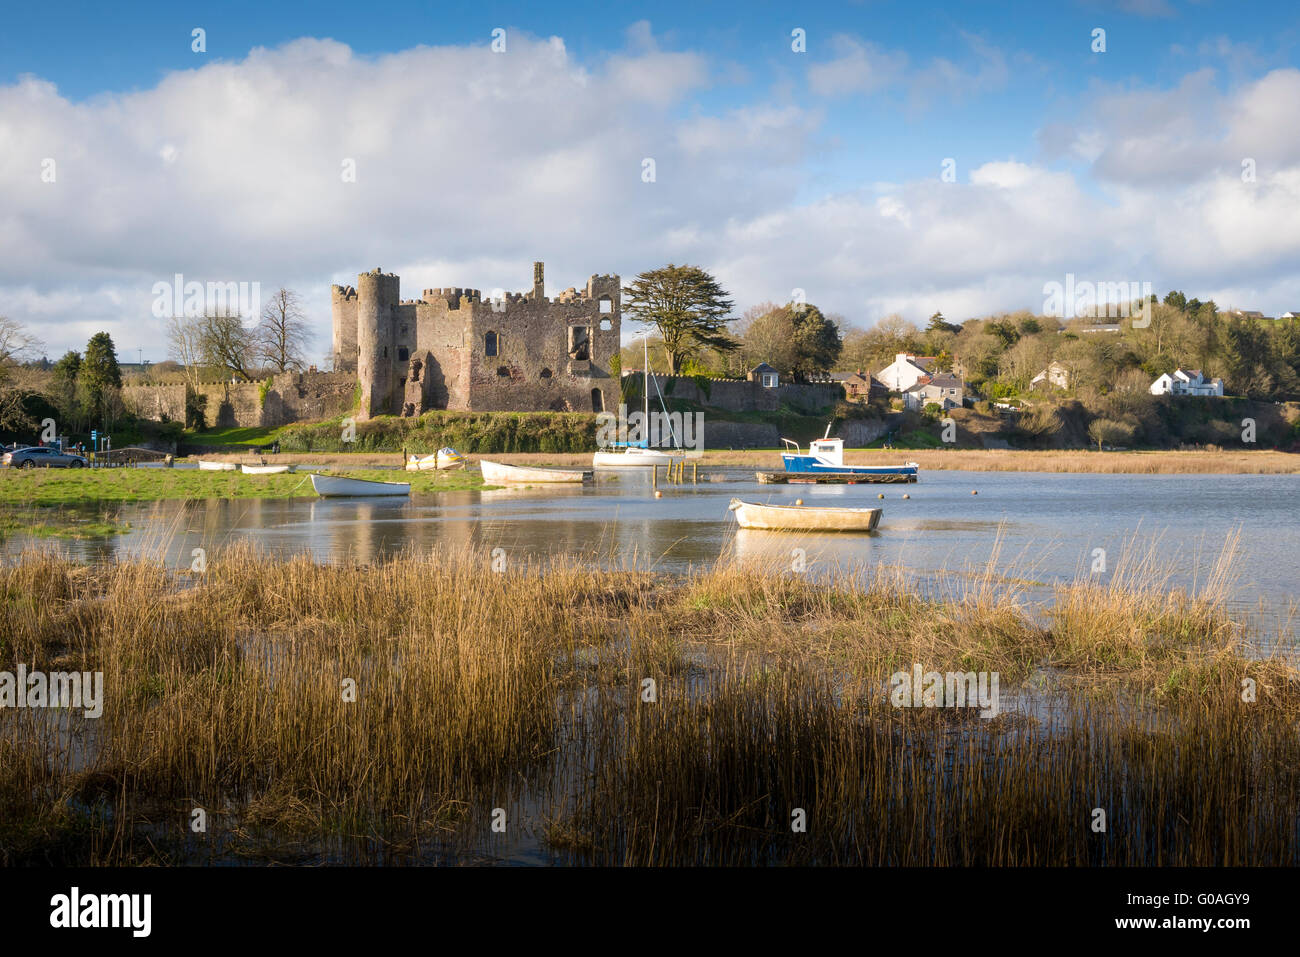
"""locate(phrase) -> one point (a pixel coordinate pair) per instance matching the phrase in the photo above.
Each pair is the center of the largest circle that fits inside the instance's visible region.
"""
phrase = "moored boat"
(340, 486)
(804, 518)
(633, 456)
(207, 466)
(267, 469)
(442, 459)
(498, 473)
(826, 457)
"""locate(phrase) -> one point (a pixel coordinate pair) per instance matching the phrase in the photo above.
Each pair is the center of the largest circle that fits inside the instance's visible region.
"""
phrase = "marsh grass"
(525, 690)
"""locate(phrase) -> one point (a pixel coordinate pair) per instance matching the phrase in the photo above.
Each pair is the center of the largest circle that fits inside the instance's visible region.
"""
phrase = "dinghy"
(440, 460)
(497, 473)
(267, 469)
(216, 466)
(340, 486)
(804, 518)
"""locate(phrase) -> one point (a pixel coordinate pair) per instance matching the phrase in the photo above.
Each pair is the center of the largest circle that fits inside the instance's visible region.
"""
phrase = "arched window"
(490, 344)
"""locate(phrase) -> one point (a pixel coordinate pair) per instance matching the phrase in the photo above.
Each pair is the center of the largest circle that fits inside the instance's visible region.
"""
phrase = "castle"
(453, 349)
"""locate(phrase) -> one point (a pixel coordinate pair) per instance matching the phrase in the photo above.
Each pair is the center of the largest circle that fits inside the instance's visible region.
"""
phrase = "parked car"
(42, 457)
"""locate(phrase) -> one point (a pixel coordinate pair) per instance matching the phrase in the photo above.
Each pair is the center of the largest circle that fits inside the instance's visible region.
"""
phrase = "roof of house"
(761, 367)
(941, 380)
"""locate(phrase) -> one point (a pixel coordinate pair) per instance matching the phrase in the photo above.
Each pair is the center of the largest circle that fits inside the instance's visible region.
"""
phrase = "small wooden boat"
(267, 469)
(340, 486)
(217, 466)
(497, 473)
(440, 460)
(804, 518)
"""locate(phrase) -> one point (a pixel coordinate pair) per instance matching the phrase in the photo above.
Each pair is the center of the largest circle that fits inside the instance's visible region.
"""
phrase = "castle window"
(545, 374)
(503, 371)
(606, 325)
(606, 304)
(490, 344)
(579, 343)
(597, 401)
(403, 353)
(385, 352)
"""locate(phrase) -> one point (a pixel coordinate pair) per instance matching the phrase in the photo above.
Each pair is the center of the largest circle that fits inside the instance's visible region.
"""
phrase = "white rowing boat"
(442, 459)
(217, 466)
(340, 486)
(266, 469)
(804, 518)
(497, 473)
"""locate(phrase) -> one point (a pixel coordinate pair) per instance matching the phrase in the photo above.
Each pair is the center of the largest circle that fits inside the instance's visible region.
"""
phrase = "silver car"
(41, 457)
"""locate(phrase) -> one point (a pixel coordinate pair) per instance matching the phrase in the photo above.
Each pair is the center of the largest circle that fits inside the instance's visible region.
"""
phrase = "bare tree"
(282, 336)
(16, 344)
(226, 343)
(185, 347)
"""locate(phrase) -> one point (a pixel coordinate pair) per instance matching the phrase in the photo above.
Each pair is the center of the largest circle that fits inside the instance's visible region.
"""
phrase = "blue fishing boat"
(826, 457)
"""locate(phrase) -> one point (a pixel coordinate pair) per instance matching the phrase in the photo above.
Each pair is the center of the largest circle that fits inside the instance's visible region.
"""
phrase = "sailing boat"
(636, 454)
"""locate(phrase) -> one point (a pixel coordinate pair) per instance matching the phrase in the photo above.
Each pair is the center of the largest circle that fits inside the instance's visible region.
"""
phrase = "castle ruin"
(453, 349)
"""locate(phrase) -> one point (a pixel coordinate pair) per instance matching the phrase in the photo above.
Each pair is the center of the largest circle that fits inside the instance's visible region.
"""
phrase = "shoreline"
(1078, 461)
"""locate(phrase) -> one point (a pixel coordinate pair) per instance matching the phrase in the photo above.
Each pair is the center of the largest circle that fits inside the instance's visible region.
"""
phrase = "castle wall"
(742, 395)
(290, 397)
(343, 311)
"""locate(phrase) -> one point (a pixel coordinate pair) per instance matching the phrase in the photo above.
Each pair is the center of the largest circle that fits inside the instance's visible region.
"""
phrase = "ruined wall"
(291, 397)
(343, 311)
(741, 395)
(159, 403)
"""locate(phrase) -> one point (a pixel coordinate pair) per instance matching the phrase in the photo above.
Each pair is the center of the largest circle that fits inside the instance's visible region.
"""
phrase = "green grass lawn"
(248, 438)
(80, 486)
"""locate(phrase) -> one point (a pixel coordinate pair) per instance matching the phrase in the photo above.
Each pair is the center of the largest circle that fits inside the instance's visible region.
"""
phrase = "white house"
(1054, 375)
(1186, 382)
(943, 389)
(905, 371)
(1293, 314)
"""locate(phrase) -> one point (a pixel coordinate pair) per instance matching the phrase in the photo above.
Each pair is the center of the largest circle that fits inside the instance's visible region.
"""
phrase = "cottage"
(764, 375)
(1293, 314)
(905, 371)
(1186, 382)
(943, 389)
(863, 385)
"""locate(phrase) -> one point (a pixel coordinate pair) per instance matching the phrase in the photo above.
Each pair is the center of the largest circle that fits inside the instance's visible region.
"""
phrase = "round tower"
(343, 313)
(377, 293)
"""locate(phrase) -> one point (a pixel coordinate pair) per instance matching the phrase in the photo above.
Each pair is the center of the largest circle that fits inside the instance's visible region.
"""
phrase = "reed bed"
(396, 712)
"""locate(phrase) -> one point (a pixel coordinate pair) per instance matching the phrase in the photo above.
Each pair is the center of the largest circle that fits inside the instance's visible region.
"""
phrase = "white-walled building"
(1186, 382)
(943, 389)
(905, 371)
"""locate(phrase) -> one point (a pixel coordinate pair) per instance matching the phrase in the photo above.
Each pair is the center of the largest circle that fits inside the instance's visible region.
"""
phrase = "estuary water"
(1034, 529)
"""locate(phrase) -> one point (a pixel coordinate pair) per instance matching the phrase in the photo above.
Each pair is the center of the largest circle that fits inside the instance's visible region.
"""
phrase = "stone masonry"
(453, 349)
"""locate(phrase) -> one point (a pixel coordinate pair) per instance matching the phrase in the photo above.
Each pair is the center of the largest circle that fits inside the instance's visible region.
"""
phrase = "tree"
(282, 336)
(939, 324)
(687, 306)
(797, 340)
(226, 343)
(64, 386)
(99, 378)
(1110, 432)
(185, 347)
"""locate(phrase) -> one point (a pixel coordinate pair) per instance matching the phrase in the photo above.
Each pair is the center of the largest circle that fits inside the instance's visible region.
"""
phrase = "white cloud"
(470, 165)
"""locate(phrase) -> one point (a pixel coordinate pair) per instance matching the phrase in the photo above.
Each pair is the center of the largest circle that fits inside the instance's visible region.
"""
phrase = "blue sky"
(778, 170)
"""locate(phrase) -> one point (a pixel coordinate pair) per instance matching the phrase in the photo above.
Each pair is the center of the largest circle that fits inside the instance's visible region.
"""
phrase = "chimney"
(539, 280)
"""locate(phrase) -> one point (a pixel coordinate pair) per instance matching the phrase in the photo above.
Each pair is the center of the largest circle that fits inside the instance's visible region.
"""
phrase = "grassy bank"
(467, 431)
(381, 713)
(74, 487)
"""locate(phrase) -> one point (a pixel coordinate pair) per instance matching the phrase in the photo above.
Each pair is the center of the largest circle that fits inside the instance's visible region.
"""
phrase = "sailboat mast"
(645, 382)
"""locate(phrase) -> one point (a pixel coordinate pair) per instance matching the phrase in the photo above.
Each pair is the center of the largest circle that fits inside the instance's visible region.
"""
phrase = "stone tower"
(377, 293)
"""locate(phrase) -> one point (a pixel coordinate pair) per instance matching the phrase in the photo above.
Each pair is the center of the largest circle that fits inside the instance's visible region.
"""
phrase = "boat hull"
(217, 466)
(338, 486)
(266, 469)
(498, 473)
(811, 465)
(804, 518)
(633, 458)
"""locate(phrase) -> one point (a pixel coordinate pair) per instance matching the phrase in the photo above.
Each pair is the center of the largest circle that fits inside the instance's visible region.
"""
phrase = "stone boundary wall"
(290, 397)
(741, 395)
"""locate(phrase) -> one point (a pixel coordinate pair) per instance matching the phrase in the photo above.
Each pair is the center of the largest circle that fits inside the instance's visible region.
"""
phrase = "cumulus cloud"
(470, 165)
